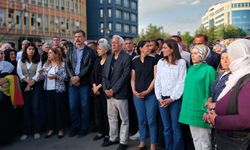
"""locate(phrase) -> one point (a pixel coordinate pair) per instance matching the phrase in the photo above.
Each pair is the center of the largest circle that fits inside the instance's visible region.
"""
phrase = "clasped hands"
(210, 116)
(165, 102)
(142, 94)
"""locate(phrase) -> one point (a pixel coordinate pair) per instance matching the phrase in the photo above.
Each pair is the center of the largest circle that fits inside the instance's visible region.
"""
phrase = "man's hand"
(75, 80)
(109, 92)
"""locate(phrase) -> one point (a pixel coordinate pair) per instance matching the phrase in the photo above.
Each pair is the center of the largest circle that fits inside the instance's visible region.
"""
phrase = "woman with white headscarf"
(231, 116)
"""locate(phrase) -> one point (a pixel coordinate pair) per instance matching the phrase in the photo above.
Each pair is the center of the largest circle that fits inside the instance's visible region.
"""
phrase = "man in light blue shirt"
(79, 62)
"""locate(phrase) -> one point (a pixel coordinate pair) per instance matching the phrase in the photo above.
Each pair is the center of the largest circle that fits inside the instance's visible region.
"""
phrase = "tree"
(210, 33)
(152, 32)
(229, 31)
(221, 32)
(187, 38)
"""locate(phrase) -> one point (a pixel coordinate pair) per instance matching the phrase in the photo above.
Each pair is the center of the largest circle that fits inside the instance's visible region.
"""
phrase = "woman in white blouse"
(54, 75)
(27, 70)
(169, 84)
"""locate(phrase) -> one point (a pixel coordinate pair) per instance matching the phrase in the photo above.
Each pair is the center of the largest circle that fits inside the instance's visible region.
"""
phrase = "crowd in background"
(178, 96)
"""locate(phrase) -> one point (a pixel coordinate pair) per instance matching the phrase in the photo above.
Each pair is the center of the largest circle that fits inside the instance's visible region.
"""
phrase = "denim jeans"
(79, 106)
(146, 110)
(172, 129)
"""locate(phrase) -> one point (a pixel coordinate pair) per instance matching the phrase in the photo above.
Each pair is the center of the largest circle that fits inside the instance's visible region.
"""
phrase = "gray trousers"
(115, 108)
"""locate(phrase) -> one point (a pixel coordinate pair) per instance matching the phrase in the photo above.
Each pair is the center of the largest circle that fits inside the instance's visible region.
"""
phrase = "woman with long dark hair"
(27, 70)
(169, 84)
(142, 83)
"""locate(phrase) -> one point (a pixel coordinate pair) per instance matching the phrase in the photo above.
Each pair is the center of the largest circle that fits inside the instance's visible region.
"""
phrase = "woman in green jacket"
(197, 87)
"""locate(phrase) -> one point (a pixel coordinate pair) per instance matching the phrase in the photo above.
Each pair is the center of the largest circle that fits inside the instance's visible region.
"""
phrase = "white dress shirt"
(170, 79)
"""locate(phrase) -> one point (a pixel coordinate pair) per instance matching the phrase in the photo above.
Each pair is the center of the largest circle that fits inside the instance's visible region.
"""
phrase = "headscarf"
(202, 49)
(239, 54)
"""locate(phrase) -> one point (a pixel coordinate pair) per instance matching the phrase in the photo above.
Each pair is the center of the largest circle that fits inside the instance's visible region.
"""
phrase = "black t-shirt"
(113, 62)
(144, 72)
(99, 71)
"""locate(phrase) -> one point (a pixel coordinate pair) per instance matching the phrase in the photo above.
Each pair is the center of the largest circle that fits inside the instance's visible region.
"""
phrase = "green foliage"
(187, 38)
(152, 32)
(229, 31)
(221, 32)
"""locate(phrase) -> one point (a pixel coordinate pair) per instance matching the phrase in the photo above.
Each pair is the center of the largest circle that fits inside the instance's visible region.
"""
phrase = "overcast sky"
(173, 15)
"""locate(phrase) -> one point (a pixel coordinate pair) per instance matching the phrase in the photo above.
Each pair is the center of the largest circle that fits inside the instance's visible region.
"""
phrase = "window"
(63, 25)
(51, 3)
(101, 13)
(133, 17)
(110, 13)
(57, 3)
(57, 23)
(133, 5)
(2, 17)
(101, 27)
(45, 2)
(67, 25)
(67, 6)
(40, 2)
(33, 2)
(76, 7)
(18, 20)
(118, 2)
(39, 22)
(62, 4)
(46, 23)
(118, 14)
(126, 28)
(118, 27)
(133, 29)
(110, 26)
(126, 3)
(126, 16)
(101, 1)
(109, 1)
(77, 23)
(72, 25)
(33, 21)
(52, 21)
(72, 6)
(25, 21)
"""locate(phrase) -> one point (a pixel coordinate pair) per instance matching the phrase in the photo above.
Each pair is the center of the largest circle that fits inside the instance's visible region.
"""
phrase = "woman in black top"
(99, 95)
(142, 83)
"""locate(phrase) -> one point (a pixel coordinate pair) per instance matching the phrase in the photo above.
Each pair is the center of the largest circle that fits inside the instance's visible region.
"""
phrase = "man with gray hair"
(114, 81)
(20, 53)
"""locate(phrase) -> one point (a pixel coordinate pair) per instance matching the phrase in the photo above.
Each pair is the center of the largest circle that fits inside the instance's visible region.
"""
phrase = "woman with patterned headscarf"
(197, 87)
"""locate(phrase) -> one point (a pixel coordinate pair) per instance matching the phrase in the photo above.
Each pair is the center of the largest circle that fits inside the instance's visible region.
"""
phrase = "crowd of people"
(179, 97)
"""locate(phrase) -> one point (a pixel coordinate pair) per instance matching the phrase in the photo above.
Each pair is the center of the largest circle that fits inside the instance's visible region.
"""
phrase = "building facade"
(43, 19)
(110, 17)
(233, 12)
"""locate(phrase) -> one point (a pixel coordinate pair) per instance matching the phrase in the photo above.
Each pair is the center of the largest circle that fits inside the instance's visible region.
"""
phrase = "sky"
(173, 15)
